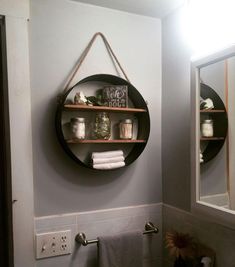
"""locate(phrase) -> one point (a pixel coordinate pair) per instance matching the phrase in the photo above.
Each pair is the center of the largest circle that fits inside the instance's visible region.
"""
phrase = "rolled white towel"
(107, 154)
(206, 261)
(108, 160)
(201, 157)
(109, 166)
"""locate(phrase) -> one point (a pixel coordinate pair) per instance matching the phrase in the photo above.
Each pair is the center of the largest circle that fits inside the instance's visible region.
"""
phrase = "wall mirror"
(213, 136)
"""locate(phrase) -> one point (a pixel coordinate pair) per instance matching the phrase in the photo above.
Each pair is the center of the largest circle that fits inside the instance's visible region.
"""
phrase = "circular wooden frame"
(134, 96)
(220, 126)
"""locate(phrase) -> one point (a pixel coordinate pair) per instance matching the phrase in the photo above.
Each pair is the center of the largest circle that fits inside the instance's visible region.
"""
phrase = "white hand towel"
(121, 250)
(109, 166)
(107, 160)
(107, 154)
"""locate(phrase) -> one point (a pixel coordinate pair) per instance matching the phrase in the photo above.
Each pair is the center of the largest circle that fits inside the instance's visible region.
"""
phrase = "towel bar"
(81, 237)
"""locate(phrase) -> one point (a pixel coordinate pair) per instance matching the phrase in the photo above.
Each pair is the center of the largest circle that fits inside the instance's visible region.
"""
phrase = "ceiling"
(151, 8)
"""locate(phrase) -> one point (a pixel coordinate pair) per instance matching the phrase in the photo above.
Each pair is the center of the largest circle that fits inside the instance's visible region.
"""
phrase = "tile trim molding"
(74, 218)
(197, 217)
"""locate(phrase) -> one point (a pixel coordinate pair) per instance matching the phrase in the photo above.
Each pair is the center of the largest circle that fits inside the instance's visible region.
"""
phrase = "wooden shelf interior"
(212, 110)
(102, 108)
(211, 138)
(94, 141)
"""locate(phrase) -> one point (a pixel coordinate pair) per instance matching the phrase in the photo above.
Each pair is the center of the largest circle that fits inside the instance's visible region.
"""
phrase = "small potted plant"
(188, 252)
(182, 247)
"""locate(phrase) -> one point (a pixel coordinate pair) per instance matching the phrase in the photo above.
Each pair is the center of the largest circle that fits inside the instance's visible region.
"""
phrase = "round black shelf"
(219, 115)
(138, 102)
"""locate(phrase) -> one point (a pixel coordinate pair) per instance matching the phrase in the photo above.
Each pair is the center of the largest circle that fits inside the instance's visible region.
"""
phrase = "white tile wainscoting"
(100, 222)
(218, 237)
(111, 221)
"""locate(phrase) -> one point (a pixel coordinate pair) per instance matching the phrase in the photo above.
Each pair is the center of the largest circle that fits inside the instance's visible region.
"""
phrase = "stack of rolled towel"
(108, 160)
(201, 157)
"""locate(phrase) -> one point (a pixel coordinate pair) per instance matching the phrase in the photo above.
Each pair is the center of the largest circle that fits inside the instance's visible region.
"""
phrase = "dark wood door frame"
(6, 228)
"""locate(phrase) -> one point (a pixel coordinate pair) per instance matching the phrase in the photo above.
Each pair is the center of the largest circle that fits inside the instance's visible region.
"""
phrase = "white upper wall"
(151, 8)
(15, 8)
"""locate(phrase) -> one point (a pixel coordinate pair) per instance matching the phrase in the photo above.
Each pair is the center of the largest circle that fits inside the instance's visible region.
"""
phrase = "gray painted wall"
(175, 114)
(59, 31)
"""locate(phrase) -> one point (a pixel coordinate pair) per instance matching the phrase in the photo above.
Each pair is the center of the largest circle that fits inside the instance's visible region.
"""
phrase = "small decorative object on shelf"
(94, 100)
(80, 99)
(206, 104)
(207, 128)
(126, 129)
(102, 127)
(78, 128)
(115, 96)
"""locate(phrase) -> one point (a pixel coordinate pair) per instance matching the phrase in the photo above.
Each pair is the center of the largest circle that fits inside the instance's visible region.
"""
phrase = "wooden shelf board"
(211, 138)
(102, 108)
(212, 110)
(86, 141)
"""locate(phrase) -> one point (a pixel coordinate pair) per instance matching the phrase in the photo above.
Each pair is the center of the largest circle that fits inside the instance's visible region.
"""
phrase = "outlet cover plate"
(53, 244)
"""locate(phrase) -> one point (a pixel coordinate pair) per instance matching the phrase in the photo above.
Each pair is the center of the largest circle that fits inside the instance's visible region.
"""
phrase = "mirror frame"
(199, 208)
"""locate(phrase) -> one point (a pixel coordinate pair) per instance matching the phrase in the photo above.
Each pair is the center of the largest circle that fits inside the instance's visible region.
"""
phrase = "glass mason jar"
(207, 128)
(126, 129)
(102, 127)
(78, 128)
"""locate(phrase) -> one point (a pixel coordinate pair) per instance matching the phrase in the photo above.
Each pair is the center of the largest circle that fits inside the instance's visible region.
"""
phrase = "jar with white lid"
(207, 128)
(126, 129)
(78, 128)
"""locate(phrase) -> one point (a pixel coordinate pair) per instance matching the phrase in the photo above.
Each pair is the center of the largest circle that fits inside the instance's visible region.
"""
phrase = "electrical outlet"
(53, 244)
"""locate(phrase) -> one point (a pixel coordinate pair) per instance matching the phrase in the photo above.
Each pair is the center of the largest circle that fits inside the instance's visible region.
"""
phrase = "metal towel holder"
(81, 237)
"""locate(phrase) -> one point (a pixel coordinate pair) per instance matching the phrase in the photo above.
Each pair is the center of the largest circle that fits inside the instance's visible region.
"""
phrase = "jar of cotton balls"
(207, 128)
(78, 128)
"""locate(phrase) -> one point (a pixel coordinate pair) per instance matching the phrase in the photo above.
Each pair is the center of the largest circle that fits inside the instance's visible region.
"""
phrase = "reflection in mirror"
(217, 134)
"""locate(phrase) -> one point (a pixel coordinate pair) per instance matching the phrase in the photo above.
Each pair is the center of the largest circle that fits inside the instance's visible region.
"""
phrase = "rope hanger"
(84, 54)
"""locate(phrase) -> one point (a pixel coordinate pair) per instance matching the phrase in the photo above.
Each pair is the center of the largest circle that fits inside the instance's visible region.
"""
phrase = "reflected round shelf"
(213, 145)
